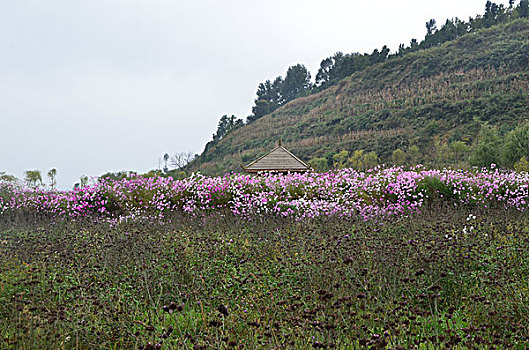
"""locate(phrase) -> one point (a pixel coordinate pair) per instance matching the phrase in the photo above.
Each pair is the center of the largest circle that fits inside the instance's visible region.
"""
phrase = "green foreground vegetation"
(444, 278)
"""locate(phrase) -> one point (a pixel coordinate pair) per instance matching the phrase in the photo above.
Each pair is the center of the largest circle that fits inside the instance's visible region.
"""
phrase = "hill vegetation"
(427, 103)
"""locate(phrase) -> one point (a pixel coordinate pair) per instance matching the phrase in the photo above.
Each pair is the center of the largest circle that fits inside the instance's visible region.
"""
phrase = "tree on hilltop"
(268, 98)
(166, 157)
(379, 56)
(335, 68)
(271, 95)
(324, 73)
(523, 8)
(226, 124)
(431, 27)
(296, 83)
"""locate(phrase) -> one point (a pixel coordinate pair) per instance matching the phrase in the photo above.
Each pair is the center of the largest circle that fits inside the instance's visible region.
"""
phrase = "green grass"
(412, 282)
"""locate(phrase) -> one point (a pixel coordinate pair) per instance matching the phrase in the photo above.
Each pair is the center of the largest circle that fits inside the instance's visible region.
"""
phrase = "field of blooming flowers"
(344, 193)
(390, 259)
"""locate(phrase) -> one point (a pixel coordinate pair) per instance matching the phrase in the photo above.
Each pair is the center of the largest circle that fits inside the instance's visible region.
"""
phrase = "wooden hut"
(278, 160)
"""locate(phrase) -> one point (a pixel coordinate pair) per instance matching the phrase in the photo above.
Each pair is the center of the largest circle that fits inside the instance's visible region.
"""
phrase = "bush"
(516, 146)
(522, 165)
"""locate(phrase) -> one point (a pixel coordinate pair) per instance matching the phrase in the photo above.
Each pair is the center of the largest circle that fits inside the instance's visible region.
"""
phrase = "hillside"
(441, 94)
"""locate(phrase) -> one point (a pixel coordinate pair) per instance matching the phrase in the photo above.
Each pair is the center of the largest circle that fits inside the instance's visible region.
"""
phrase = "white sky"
(91, 86)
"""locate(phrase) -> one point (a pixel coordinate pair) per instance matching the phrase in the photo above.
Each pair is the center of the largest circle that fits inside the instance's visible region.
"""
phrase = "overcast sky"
(91, 86)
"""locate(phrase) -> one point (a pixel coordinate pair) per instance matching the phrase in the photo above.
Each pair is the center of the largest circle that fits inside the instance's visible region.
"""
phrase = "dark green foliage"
(326, 67)
(487, 150)
(523, 8)
(296, 83)
(226, 124)
(340, 66)
(379, 56)
(319, 164)
(269, 98)
(436, 190)
(491, 16)
(431, 27)
(120, 175)
(506, 149)
(515, 146)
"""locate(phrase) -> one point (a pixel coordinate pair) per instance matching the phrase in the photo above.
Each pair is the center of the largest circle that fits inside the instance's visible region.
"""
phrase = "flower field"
(387, 259)
(343, 193)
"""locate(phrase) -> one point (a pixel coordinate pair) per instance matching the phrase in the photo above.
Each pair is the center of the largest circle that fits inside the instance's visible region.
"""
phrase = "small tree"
(370, 160)
(52, 175)
(33, 178)
(443, 153)
(357, 160)
(226, 124)
(7, 178)
(524, 8)
(522, 165)
(296, 82)
(319, 164)
(84, 181)
(340, 159)
(487, 149)
(459, 151)
(516, 146)
(431, 27)
(165, 160)
(398, 157)
(181, 159)
(413, 154)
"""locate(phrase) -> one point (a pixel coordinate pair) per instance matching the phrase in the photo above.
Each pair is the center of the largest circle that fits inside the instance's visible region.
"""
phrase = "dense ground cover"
(378, 193)
(446, 277)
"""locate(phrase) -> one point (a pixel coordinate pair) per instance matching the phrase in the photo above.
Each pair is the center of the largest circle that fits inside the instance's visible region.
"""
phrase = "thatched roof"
(279, 159)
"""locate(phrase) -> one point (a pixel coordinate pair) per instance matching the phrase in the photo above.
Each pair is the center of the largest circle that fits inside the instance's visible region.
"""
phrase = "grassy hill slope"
(441, 94)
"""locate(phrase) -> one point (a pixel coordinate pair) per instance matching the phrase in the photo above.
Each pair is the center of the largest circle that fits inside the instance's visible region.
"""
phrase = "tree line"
(32, 178)
(493, 148)
(173, 166)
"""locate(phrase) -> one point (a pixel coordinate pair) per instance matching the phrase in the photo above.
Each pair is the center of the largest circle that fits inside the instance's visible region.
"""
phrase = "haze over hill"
(423, 99)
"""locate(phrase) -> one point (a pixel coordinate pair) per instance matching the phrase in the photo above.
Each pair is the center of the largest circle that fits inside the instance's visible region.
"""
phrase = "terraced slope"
(441, 94)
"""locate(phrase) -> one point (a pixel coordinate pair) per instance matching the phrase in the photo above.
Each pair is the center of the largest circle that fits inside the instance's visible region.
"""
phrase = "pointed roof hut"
(278, 160)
